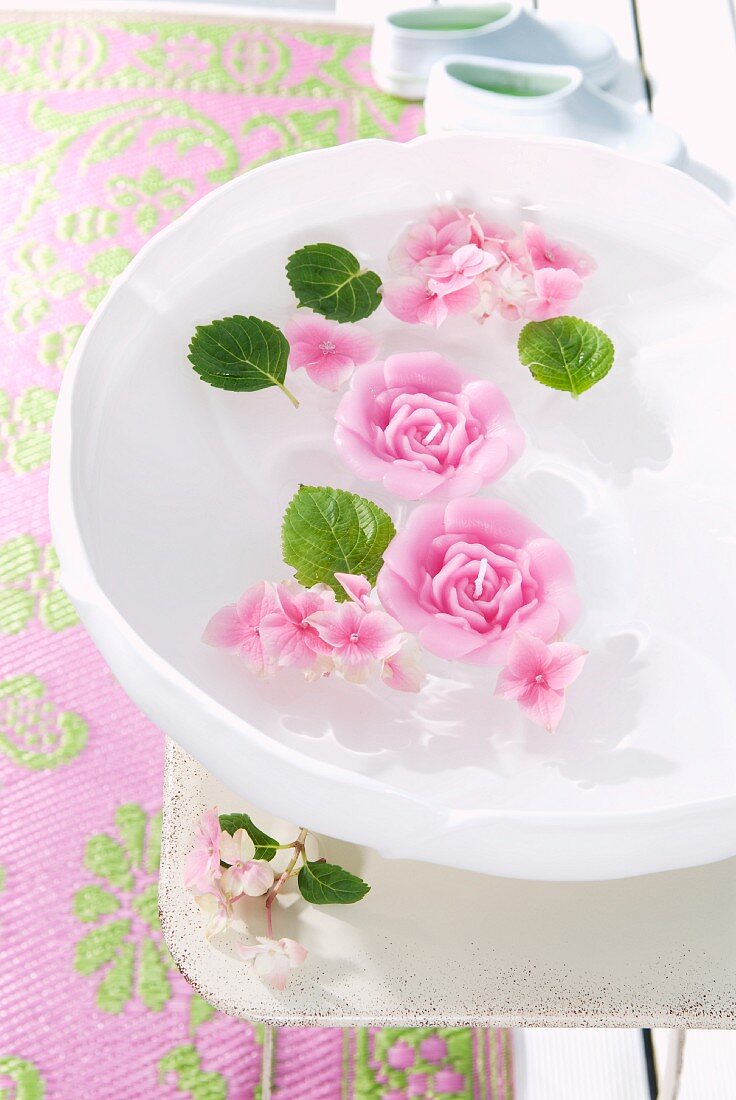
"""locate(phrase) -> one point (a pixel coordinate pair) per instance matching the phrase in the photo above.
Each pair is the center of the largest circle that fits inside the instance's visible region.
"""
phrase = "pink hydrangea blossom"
(202, 865)
(507, 290)
(245, 875)
(216, 905)
(545, 252)
(328, 351)
(358, 588)
(289, 637)
(425, 428)
(444, 231)
(458, 261)
(554, 289)
(458, 270)
(357, 638)
(273, 959)
(311, 632)
(404, 671)
(467, 576)
(418, 300)
(237, 627)
(536, 676)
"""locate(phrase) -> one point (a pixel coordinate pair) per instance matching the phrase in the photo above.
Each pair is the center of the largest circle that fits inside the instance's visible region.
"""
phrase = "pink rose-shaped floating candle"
(466, 576)
(425, 428)
(328, 351)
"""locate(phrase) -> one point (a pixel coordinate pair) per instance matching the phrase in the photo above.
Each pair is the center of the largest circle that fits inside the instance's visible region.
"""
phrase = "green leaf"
(266, 846)
(327, 531)
(241, 353)
(329, 280)
(328, 884)
(566, 353)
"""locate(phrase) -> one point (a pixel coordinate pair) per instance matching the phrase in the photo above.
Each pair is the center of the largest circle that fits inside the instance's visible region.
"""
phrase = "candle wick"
(430, 435)
(482, 570)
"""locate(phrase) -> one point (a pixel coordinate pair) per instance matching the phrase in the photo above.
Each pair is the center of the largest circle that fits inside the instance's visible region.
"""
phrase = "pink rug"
(110, 128)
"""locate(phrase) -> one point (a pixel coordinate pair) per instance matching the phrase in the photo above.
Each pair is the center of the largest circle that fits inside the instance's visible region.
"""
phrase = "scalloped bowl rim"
(110, 630)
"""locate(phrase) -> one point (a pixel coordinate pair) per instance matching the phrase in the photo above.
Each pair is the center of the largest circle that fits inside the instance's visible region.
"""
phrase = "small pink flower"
(328, 351)
(508, 289)
(237, 627)
(554, 290)
(450, 273)
(245, 875)
(536, 676)
(544, 252)
(440, 235)
(203, 862)
(403, 671)
(425, 428)
(217, 908)
(273, 959)
(357, 587)
(357, 638)
(288, 635)
(412, 299)
(465, 577)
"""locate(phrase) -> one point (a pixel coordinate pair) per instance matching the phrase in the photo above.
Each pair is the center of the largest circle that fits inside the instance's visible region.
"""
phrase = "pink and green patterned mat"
(110, 128)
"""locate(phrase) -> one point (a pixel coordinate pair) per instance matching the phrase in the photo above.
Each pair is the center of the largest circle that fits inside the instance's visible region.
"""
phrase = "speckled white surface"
(431, 945)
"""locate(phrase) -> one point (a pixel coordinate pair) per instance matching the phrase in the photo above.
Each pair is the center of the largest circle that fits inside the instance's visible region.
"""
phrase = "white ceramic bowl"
(167, 497)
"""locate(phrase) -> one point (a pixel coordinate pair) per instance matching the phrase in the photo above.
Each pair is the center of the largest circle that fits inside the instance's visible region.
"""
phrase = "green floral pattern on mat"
(151, 194)
(125, 943)
(34, 732)
(97, 136)
(183, 1064)
(419, 1062)
(25, 429)
(178, 55)
(183, 57)
(19, 1079)
(29, 587)
(54, 348)
(123, 123)
(35, 284)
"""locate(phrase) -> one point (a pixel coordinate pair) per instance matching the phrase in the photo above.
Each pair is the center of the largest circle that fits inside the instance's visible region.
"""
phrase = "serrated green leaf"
(566, 353)
(327, 531)
(266, 847)
(330, 280)
(241, 353)
(328, 884)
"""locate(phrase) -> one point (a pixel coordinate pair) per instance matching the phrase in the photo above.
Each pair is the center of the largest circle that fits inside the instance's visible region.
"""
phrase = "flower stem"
(298, 846)
(289, 394)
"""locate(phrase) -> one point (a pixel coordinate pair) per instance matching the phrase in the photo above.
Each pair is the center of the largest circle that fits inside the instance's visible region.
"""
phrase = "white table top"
(445, 947)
